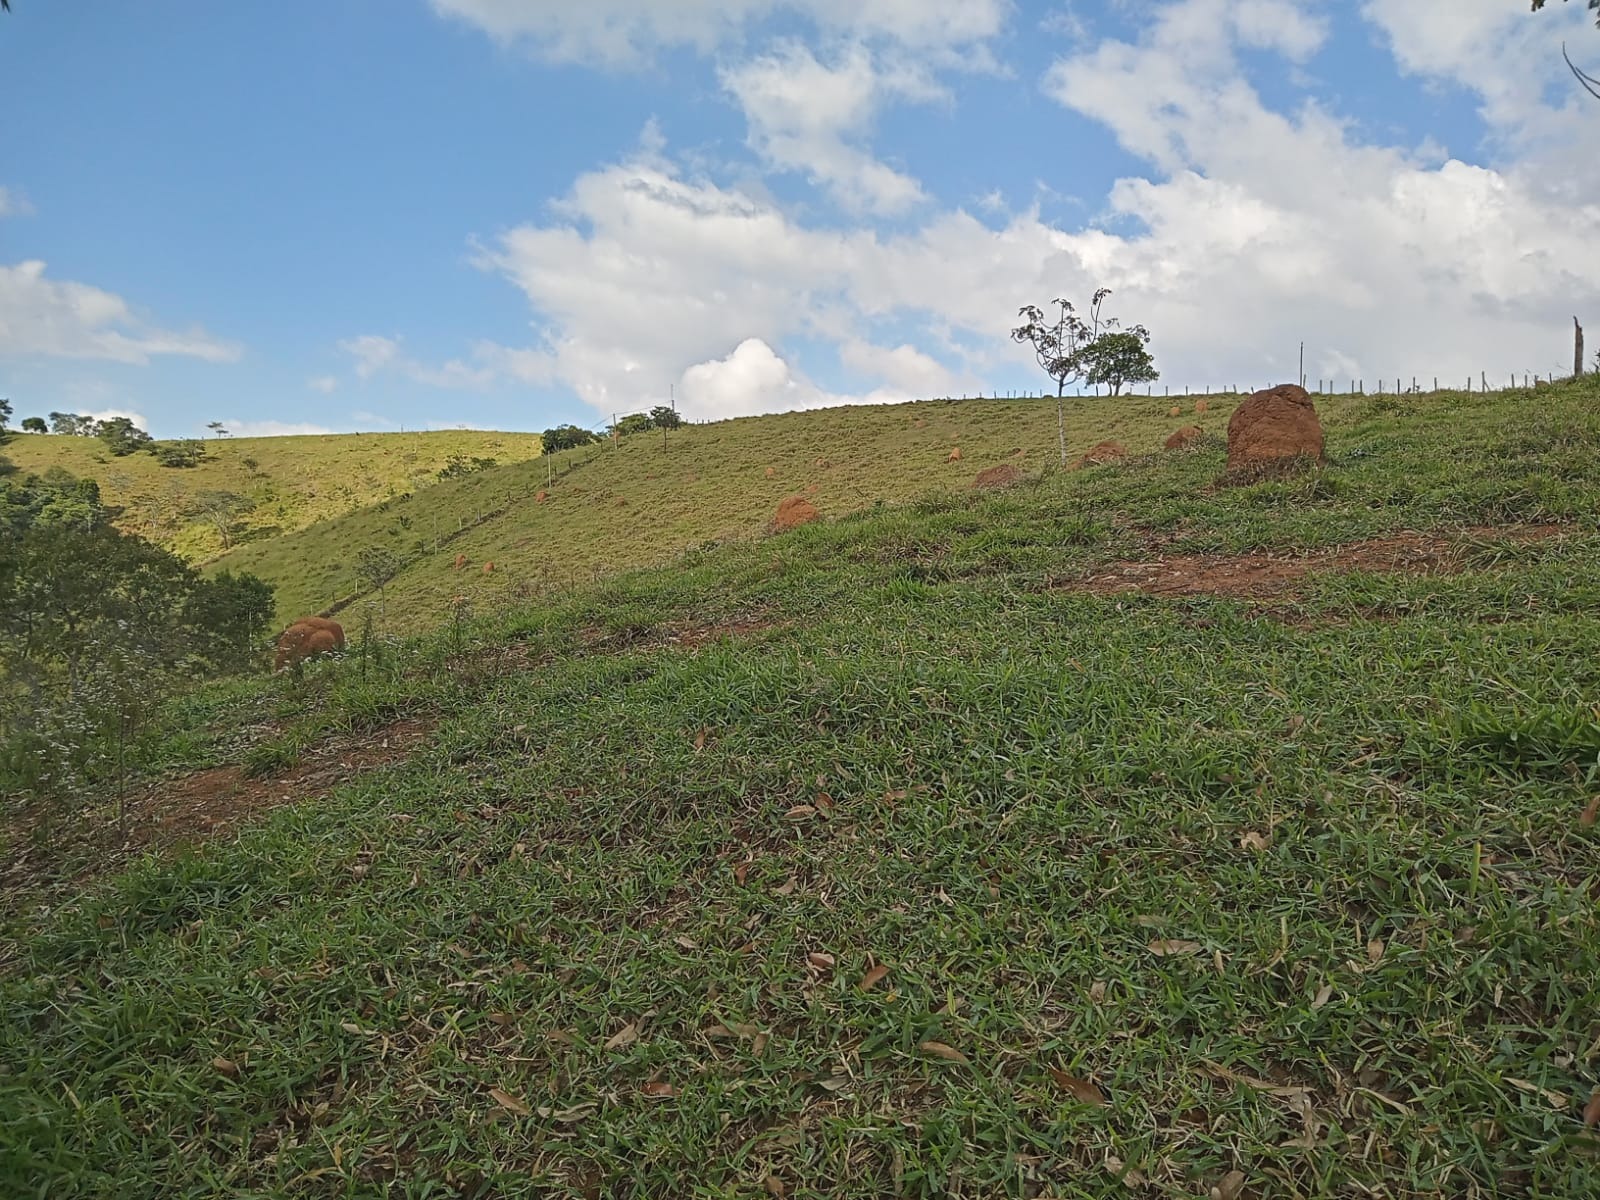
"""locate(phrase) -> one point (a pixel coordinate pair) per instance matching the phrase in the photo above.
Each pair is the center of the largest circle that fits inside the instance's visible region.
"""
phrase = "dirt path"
(1277, 574)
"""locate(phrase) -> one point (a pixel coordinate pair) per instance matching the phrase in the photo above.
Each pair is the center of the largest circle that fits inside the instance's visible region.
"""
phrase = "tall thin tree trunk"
(1061, 420)
(1577, 347)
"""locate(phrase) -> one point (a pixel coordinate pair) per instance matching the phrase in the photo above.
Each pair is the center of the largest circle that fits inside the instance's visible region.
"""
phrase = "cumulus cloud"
(756, 379)
(13, 203)
(111, 414)
(326, 384)
(616, 31)
(41, 316)
(804, 115)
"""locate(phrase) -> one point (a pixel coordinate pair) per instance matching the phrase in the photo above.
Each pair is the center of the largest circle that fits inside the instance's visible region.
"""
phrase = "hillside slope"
(1123, 835)
(284, 484)
(645, 501)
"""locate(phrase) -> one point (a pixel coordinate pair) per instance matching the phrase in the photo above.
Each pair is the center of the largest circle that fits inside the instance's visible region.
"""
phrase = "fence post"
(1577, 348)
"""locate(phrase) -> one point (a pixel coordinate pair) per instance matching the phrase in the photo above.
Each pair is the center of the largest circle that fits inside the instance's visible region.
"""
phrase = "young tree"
(5, 414)
(34, 425)
(1120, 358)
(663, 417)
(216, 429)
(565, 437)
(1060, 347)
(222, 511)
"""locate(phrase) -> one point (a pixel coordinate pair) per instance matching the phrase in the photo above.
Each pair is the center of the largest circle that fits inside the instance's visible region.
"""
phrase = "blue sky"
(369, 214)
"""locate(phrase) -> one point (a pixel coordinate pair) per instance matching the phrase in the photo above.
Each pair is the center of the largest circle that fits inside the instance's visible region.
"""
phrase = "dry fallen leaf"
(1375, 950)
(1081, 1090)
(820, 961)
(1553, 1099)
(1591, 814)
(948, 1053)
(1165, 947)
(626, 1036)
(509, 1102)
(226, 1066)
(740, 872)
(775, 1187)
(873, 977)
(699, 741)
(1323, 996)
(1591, 1110)
(1256, 842)
(1231, 1186)
(501, 1019)
(786, 888)
(759, 1044)
(688, 943)
(801, 812)
(660, 1089)
(1097, 992)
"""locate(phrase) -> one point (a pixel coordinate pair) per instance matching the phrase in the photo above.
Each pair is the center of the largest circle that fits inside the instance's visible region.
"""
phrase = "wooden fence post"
(1577, 347)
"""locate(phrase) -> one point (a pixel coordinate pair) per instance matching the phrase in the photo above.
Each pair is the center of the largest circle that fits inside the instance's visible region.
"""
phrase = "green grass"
(296, 482)
(643, 502)
(575, 947)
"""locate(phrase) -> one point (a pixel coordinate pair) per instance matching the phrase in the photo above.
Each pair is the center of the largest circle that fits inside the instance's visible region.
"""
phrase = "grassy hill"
(284, 484)
(1119, 835)
(609, 508)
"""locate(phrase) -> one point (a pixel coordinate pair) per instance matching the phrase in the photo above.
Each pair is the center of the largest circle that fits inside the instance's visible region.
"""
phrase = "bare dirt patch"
(71, 847)
(1277, 574)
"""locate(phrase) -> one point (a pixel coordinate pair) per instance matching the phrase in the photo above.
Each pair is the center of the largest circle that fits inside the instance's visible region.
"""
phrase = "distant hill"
(645, 501)
(261, 488)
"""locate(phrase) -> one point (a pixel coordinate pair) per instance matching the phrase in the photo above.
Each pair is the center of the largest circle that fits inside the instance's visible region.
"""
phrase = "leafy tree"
(57, 499)
(121, 435)
(566, 437)
(222, 510)
(663, 417)
(1119, 358)
(1063, 350)
(633, 423)
(458, 465)
(34, 425)
(178, 454)
(230, 612)
(5, 414)
(71, 424)
(217, 429)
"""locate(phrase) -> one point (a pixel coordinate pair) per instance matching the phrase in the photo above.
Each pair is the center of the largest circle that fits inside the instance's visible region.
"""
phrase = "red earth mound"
(1274, 426)
(1003, 476)
(461, 561)
(1200, 406)
(307, 638)
(1104, 453)
(794, 512)
(1184, 436)
(955, 455)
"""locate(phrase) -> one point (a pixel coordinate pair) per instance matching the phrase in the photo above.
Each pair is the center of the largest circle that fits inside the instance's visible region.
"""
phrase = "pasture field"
(284, 484)
(648, 500)
(1117, 834)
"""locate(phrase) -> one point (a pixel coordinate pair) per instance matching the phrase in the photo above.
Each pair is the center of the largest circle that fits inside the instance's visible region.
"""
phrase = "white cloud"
(375, 354)
(755, 379)
(14, 203)
(261, 429)
(905, 369)
(615, 31)
(802, 114)
(326, 384)
(40, 316)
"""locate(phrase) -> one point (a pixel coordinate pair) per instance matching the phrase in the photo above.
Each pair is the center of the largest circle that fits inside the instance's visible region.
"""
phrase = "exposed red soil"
(1270, 574)
(1004, 476)
(167, 813)
(1272, 426)
(1101, 455)
(1184, 436)
(794, 512)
